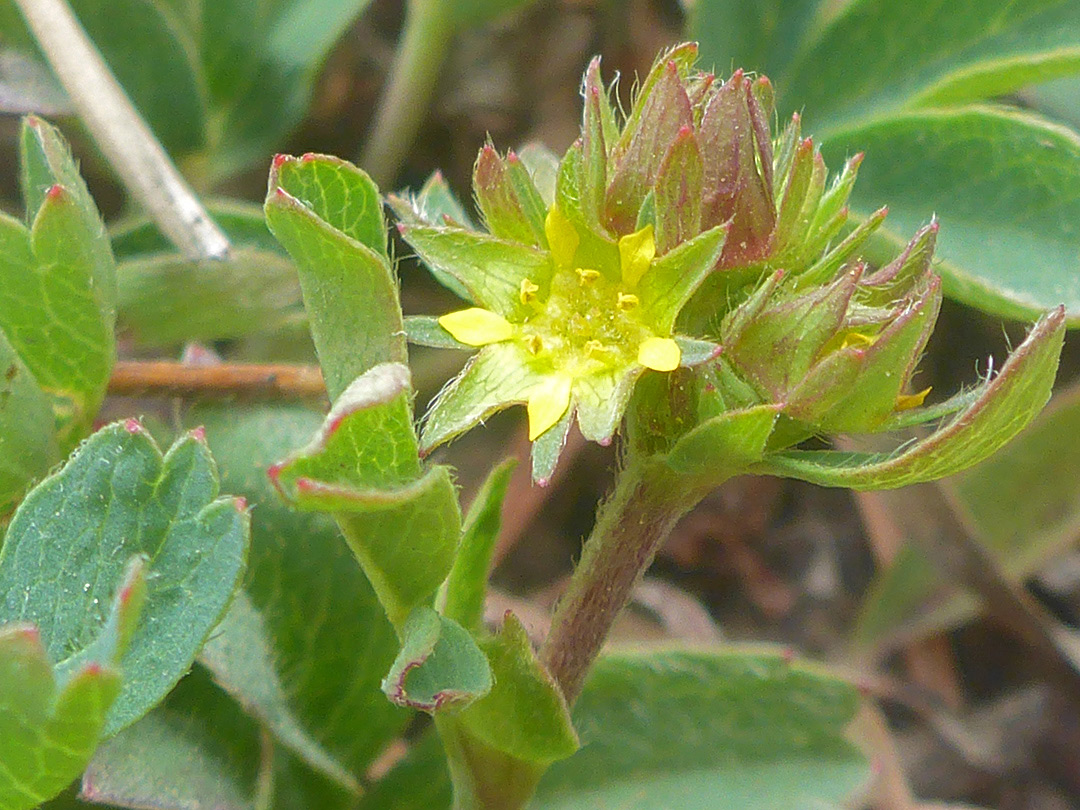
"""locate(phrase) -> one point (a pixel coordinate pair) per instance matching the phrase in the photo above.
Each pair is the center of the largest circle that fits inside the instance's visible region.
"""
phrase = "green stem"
(425, 43)
(648, 499)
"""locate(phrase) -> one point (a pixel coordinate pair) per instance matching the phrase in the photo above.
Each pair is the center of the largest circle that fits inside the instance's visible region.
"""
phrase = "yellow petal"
(562, 237)
(636, 252)
(659, 354)
(477, 327)
(905, 402)
(548, 402)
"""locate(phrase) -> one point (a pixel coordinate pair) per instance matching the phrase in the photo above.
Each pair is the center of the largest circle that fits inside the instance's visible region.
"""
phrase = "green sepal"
(497, 376)
(678, 192)
(795, 328)
(665, 112)
(466, 587)
(672, 279)
(402, 523)
(725, 445)
(439, 666)
(855, 389)
(548, 447)
(328, 216)
(490, 268)
(601, 401)
(503, 207)
(1004, 406)
(596, 248)
(543, 167)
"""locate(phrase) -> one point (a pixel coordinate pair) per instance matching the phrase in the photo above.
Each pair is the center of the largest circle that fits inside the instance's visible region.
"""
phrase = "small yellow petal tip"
(477, 327)
(548, 402)
(905, 402)
(857, 339)
(562, 237)
(636, 252)
(659, 354)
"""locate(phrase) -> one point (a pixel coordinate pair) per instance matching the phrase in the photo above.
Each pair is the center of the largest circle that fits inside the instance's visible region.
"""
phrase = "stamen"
(594, 347)
(528, 291)
(627, 302)
(586, 275)
(534, 344)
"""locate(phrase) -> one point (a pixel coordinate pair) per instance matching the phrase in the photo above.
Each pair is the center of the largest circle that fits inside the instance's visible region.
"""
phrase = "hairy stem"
(425, 42)
(121, 134)
(177, 379)
(649, 498)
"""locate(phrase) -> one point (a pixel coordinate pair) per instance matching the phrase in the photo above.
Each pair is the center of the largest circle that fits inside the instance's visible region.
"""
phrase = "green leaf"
(195, 750)
(168, 299)
(466, 587)
(27, 441)
(402, 523)
(759, 36)
(725, 445)
(439, 664)
(1001, 183)
(716, 730)
(673, 278)
(328, 215)
(1005, 406)
(243, 222)
(329, 640)
(57, 283)
(153, 59)
(857, 69)
(525, 715)
(117, 496)
(51, 720)
(242, 661)
(419, 781)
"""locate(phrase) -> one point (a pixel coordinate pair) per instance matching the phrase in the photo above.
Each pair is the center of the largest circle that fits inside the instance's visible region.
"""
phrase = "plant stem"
(121, 134)
(504, 783)
(425, 42)
(179, 379)
(648, 499)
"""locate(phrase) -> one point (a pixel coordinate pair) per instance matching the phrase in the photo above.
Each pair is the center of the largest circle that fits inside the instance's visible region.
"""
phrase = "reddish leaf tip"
(719, 350)
(685, 131)
(737, 76)
(437, 175)
(306, 485)
(402, 227)
(273, 472)
(604, 442)
(198, 434)
(511, 157)
(788, 654)
(281, 193)
(863, 685)
(93, 668)
(542, 482)
(307, 157)
(280, 160)
(134, 426)
(55, 192)
(32, 634)
(240, 504)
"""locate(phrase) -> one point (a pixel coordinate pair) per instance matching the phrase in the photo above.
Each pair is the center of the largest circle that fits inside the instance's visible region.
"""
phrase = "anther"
(587, 275)
(627, 301)
(528, 291)
(534, 344)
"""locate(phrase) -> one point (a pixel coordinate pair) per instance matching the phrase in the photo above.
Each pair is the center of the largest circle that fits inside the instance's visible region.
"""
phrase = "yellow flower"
(587, 326)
